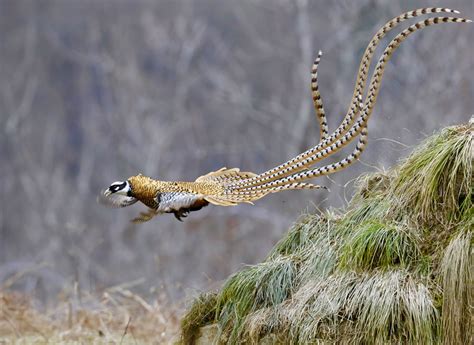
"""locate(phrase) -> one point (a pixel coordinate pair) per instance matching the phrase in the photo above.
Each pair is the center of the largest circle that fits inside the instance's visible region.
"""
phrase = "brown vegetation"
(116, 316)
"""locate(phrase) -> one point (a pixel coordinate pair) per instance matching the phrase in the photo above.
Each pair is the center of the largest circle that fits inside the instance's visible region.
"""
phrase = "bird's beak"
(107, 192)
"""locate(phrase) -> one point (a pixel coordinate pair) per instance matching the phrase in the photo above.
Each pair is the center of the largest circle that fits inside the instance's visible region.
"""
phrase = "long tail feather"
(292, 165)
(321, 171)
(317, 100)
(369, 104)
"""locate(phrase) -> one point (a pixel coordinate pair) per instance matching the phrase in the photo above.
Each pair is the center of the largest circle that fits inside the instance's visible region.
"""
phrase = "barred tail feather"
(292, 166)
(321, 171)
(319, 153)
(377, 75)
(317, 101)
(295, 185)
(239, 196)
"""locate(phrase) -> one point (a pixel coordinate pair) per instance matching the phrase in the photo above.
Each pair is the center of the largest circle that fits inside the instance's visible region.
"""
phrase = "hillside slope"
(395, 267)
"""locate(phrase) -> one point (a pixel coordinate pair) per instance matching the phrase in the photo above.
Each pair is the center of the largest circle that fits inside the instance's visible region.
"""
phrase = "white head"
(119, 194)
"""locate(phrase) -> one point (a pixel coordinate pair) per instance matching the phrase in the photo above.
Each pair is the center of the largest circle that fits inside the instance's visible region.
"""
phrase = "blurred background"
(96, 91)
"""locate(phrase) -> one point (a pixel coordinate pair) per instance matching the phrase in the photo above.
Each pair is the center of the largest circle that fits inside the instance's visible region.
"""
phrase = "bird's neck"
(144, 187)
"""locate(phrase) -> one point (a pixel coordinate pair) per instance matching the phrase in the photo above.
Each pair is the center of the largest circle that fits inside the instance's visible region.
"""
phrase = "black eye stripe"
(116, 187)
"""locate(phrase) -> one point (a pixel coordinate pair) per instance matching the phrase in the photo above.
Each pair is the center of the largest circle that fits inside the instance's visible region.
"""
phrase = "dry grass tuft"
(396, 267)
(202, 312)
(116, 317)
(259, 286)
(435, 182)
(456, 268)
(368, 308)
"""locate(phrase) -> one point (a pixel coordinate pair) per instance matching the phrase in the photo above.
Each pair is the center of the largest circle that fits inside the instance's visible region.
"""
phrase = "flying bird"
(229, 187)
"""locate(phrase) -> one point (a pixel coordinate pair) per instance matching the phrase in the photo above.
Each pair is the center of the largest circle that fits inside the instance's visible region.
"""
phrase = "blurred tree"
(92, 91)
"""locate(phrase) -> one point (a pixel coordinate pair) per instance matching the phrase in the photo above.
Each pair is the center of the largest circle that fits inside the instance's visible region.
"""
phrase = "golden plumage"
(228, 187)
(145, 188)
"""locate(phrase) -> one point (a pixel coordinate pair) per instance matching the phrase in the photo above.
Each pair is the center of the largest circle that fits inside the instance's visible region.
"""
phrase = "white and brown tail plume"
(317, 100)
(290, 174)
(325, 147)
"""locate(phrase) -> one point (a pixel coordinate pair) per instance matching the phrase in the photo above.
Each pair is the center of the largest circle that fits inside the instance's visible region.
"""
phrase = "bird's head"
(119, 194)
(119, 188)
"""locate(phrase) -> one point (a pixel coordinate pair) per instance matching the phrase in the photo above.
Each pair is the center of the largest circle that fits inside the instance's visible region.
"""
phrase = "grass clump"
(367, 308)
(301, 235)
(260, 286)
(456, 270)
(394, 268)
(374, 244)
(435, 182)
(202, 312)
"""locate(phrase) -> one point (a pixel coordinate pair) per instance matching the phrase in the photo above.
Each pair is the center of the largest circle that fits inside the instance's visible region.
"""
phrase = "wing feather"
(226, 175)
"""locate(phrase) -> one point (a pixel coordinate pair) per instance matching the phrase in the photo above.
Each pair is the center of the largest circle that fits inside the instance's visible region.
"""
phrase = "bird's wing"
(226, 175)
(223, 177)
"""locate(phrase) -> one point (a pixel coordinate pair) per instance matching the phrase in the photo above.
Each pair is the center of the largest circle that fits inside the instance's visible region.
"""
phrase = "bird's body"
(229, 187)
(180, 197)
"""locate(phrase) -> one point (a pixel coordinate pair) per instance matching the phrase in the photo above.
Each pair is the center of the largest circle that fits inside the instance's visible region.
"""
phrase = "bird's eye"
(116, 187)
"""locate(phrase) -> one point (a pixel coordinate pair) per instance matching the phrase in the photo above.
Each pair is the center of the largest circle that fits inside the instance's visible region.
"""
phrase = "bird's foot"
(181, 214)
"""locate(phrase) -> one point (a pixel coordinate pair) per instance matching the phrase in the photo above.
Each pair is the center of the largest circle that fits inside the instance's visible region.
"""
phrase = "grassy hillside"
(395, 267)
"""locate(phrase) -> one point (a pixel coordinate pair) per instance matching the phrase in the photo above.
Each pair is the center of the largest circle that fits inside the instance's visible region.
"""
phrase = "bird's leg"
(145, 216)
(177, 215)
(181, 213)
(185, 211)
